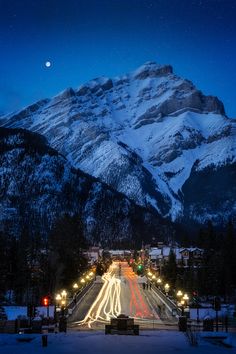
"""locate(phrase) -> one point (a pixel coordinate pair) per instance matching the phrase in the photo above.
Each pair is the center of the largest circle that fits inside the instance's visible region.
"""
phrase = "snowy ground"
(149, 342)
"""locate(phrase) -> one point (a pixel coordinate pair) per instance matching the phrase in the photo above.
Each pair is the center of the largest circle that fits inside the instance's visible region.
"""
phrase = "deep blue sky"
(87, 38)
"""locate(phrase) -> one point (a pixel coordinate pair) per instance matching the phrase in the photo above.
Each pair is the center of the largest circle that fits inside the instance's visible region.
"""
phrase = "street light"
(58, 298)
(185, 297)
(57, 306)
(184, 303)
(75, 286)
(159, 281)
(179, 294)
(167, 288)
(63, 293)
(82, 281)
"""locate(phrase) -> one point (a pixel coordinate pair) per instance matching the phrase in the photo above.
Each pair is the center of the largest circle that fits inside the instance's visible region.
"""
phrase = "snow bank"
(149, 342)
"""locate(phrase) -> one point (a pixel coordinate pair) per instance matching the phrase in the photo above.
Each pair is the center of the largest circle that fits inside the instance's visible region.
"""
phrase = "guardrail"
(166, 301)
(77, 299)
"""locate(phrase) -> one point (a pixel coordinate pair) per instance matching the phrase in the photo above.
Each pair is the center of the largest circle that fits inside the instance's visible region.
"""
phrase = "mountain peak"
(140, 133)
(152, 69)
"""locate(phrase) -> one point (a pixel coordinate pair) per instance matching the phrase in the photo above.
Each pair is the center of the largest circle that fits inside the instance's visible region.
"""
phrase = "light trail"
(107, 304)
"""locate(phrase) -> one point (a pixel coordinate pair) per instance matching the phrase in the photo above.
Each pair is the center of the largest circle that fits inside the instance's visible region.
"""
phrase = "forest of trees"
(32, 266)
(216, 275)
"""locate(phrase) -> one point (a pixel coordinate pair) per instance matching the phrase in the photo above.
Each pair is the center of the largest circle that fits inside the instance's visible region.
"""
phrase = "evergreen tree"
(65, 252)
(170, 269)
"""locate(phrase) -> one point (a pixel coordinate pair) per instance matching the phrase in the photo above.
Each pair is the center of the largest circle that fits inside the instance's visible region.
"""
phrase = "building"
(185, 257)
(93, 254)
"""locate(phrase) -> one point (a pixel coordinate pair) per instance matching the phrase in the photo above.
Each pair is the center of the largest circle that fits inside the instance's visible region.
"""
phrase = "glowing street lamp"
(159, 281)
(63, 294)
(150, 274)
(179, 294)
(82, 281)
(167, 288)
(184, 303)
(75, 286)
(185, 297)
(58, 298)
(153, 277)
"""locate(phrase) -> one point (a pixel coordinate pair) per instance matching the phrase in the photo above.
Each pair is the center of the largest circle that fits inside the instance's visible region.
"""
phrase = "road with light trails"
(121, 293)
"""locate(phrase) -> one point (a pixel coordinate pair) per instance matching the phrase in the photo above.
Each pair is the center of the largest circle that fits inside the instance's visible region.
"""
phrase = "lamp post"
(184, 303)
(179, 294)
(75, 286)
(58, 300)
(63, 301)
(186, 298)
(159, 281)
(167, 288)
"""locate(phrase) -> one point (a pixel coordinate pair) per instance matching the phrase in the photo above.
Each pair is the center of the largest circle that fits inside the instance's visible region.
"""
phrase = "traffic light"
(45, 301)
(140, 267)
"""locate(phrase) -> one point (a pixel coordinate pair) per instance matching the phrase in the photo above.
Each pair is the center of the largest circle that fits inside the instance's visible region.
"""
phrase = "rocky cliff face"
(38, 186)
(141, 133)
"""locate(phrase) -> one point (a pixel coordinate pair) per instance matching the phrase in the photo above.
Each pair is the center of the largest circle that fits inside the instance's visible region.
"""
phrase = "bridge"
(120, 291)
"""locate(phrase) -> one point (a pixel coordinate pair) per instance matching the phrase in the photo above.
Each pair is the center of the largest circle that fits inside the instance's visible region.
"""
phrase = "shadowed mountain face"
(148, 134)
(38, 186)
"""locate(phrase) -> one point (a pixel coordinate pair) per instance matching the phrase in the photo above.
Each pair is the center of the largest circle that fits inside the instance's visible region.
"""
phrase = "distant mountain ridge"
(150, 135)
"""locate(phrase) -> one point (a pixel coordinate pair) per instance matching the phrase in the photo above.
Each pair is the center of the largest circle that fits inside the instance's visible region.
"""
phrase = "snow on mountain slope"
(141, 133)
(38, 186)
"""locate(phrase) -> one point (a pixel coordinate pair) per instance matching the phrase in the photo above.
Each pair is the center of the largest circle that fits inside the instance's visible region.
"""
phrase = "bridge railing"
(171, 305)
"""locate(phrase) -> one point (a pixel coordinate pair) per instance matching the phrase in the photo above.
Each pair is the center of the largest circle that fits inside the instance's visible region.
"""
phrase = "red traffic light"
(45, 301)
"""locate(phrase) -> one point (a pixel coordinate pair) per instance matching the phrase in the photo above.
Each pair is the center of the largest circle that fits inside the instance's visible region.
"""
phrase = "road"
(122, 293)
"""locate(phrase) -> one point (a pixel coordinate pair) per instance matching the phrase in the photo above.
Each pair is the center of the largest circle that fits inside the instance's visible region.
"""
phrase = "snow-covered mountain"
(150, 135)
(38, 186)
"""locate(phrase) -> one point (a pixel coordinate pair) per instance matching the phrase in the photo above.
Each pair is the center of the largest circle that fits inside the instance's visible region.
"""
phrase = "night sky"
(85, 39)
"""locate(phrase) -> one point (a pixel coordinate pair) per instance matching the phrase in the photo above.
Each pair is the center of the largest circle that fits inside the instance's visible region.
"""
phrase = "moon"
(48, 64)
